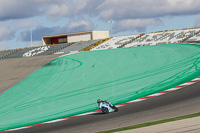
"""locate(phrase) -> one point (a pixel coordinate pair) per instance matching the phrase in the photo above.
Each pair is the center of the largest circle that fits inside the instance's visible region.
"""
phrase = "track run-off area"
(71, 84)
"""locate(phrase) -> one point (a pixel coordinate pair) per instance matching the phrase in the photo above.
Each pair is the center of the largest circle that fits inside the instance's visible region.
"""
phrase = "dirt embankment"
(14, 70)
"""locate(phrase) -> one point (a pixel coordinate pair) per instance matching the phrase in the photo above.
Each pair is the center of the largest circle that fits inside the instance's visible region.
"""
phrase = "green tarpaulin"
(71, 84)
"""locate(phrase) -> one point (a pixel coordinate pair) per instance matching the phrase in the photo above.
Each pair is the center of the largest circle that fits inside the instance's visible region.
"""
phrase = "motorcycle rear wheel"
(115, 108)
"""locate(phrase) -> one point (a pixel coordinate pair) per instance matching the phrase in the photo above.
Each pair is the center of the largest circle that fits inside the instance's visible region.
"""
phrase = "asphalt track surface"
(16, 69)
(173, 104)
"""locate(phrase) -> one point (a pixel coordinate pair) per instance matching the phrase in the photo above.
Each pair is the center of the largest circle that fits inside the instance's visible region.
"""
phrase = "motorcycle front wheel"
(105, 110)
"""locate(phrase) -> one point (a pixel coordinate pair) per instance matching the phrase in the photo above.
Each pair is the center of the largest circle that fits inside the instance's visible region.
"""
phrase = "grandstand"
(4, 54)
(78, 46)
(35, 51)
(115, 42)
(136, 40)
(154, 38)
(146, 39)
(165, 37)
(47, 50)
(195, 37)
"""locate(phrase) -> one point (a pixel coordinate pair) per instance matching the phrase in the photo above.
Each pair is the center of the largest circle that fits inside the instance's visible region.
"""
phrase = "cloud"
(107, 9)
(80, 25)
(57, 11)
(27, 24)
(9, 28)
(6, 32)
(2, 46)
(37, 33)
(197, 22)
(18, 9)
(135, 24)
(72, 8)
(72, 26)
(129, 9)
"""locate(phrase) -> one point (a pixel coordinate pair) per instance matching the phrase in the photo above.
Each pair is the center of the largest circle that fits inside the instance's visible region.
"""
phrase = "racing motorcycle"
(106, 107)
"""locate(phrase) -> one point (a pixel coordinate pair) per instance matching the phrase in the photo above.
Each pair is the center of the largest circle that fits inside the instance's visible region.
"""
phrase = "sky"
(50, 17)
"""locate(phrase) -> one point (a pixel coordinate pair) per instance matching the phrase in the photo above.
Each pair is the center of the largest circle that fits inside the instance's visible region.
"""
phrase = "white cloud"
(72, 8)
(27, 24)
(6, 32)
(197, 22)
(72, 26)
(129, 9)
(57, 11)
(135, 24)
(80, 25)
(107, 9)
(17, 9)
(37, 33)
(2, 45)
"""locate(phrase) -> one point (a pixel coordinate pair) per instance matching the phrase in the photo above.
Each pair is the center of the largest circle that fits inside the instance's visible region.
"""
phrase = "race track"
(16, 69)
(173, 104)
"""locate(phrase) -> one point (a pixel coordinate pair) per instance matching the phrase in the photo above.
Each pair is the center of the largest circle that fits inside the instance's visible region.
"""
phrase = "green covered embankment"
(71, 84)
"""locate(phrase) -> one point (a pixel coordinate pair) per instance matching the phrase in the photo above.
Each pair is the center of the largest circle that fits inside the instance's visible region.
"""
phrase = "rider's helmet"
(98, 100)
(106, 101)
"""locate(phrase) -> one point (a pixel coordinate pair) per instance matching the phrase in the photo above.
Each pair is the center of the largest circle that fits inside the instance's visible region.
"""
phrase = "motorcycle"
(107, 107)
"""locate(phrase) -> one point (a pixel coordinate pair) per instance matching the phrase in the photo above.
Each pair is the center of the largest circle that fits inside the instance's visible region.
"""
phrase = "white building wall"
(79, 37)
(100, 35)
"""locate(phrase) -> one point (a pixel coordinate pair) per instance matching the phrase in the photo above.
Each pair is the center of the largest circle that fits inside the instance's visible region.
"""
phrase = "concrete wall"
(79, 37)
(100, 35)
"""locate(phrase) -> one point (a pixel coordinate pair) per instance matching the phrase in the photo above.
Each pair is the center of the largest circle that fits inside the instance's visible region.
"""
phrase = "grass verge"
(151, 123)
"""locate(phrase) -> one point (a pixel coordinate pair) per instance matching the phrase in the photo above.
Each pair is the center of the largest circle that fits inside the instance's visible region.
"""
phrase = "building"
(74, 37)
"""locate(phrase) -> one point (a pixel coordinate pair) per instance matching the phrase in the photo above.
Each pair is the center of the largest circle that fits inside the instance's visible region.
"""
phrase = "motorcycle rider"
(108, 103)
(100, 102)
(103, 101)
